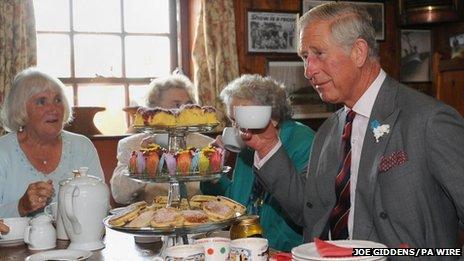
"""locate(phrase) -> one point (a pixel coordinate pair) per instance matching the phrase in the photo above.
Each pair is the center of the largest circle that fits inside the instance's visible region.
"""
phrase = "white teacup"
(252, 248)
(185, 252)
(216, 248)
(16, 225)
(41, 234)
(253, 117)
(232, 139)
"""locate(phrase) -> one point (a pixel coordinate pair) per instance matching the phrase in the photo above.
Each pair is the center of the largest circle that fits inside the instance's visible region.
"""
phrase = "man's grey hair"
(159, 85)
(349, 23)
(260, 91)
(26, 84)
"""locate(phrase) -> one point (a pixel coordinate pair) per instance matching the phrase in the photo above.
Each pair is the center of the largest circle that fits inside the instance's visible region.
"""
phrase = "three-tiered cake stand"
(176, 235)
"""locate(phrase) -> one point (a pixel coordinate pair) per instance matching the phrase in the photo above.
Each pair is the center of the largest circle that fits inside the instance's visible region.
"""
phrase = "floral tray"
(173, 231)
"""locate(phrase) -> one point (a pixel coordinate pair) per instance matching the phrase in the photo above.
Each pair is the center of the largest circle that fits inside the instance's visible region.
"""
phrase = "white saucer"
(71, 254)
(11, 242)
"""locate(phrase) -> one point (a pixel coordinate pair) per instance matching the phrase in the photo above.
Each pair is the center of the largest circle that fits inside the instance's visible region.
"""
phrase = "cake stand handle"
(173, 193)
(176, 141)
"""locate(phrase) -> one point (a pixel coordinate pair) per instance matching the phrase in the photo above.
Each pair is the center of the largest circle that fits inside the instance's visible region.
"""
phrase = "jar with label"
(246, 226)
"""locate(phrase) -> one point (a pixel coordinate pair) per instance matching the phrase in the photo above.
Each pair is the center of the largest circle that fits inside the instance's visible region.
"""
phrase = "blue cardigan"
(280, 231)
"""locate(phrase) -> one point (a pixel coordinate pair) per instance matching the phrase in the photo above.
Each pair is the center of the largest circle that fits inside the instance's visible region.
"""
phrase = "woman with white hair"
(37, 153)
(296, 138)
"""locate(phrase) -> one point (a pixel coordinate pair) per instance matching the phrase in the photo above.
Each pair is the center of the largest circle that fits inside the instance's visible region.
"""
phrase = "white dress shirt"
(363, 109)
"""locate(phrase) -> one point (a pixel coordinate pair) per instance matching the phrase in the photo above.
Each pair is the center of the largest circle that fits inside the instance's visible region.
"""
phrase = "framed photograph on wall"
(375, 9)
(307, 5)
(416, 49)
(271, 32)
(305, 101)
(377, 12)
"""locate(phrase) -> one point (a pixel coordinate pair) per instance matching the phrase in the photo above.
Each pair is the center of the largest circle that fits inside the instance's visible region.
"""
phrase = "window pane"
(97, 54)
(51, 15)
(147, 56)
(97, 16)
(69, 93)
(146, 16)
(53, 54)
(137, 95)
(112, 120)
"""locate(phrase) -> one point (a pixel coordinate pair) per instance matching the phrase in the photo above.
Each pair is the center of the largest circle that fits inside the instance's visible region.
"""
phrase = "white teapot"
(83, 203)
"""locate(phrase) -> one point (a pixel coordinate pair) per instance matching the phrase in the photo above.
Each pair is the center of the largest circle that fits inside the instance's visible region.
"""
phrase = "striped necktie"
(339, 215)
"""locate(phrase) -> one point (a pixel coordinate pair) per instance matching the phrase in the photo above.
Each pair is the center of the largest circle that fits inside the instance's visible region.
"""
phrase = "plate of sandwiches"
(202, 213)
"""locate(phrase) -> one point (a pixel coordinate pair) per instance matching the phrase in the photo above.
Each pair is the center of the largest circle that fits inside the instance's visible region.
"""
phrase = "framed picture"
(307, 5)
(305, 101)
(416, 49)
(375, 9)
(271, 32)
(457, 46)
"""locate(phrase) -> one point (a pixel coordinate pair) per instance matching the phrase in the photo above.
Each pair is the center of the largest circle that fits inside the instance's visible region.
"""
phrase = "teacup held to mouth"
(252, 117)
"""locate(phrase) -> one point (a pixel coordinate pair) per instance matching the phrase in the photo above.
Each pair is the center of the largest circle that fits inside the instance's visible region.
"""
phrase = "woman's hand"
(36, 197)
(3, 227)
(261, 140)
(218, 142)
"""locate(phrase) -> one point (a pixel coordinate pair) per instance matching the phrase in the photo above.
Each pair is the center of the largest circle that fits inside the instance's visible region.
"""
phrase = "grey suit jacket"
(419, 202)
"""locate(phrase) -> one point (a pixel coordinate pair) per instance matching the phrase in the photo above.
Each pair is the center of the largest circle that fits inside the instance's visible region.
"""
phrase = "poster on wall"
(271, 32)
(415, 55)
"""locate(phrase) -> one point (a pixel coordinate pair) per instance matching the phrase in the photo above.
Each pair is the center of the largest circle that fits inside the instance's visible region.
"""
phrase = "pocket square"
(397, 158)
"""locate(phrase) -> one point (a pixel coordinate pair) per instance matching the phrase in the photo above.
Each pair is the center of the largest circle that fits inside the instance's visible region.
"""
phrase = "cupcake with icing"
(184, 160)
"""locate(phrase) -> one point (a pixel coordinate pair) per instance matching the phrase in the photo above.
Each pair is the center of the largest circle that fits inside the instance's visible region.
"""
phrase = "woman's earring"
(21, 129)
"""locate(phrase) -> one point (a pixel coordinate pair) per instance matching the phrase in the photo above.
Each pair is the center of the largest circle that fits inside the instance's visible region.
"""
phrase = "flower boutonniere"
(379, 130)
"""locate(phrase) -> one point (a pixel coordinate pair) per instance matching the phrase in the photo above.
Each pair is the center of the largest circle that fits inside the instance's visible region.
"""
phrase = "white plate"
(63, 254)
(11, 242)
(309, 252)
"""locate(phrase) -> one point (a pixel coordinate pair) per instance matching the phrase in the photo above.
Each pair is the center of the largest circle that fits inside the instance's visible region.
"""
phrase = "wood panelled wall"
(256, 63)
(389, 49)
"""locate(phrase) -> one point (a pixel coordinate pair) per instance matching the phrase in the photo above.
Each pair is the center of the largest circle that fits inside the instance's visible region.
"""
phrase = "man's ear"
(359, 52)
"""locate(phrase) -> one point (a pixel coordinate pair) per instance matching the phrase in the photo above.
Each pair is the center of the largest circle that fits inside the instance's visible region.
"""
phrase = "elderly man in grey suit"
(388, 166)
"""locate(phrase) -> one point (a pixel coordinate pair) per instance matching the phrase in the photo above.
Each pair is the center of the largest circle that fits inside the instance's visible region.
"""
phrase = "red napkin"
(326, 249)
(282, 256)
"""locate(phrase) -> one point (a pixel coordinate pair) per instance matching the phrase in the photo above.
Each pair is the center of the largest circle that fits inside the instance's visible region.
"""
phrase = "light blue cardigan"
(16, 172)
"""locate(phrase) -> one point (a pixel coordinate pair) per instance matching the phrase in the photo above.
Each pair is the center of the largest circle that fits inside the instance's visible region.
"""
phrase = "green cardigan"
(280, 231)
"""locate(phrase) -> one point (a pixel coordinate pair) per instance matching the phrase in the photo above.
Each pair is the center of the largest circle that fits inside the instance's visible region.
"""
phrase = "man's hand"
(261, 140)
(36, 197)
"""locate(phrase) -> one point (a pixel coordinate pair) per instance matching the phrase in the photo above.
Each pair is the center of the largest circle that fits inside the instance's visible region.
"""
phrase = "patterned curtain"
(215, 52)
(17, 41)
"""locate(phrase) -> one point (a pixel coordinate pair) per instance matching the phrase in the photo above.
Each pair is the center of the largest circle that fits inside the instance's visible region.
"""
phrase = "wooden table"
(119, 246)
